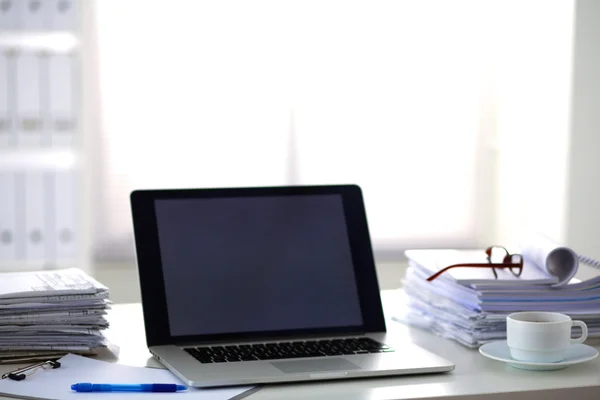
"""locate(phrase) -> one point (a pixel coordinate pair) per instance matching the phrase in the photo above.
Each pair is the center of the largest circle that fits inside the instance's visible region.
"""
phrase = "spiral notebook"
(589, 261)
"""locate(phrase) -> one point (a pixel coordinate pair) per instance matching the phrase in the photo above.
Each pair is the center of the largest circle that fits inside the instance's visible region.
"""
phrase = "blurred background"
(466, 123)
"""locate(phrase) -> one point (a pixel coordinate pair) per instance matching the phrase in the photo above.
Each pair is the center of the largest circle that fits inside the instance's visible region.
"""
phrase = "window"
(400, 97)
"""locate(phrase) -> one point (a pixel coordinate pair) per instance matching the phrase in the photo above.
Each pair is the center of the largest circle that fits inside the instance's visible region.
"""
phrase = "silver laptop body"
(404, 360)
(262, 285)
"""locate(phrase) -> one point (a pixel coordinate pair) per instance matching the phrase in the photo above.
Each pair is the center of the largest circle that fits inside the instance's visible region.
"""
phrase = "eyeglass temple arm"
(441, 271)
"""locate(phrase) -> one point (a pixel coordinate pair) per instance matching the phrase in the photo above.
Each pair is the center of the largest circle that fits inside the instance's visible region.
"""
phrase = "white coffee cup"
(538, 336)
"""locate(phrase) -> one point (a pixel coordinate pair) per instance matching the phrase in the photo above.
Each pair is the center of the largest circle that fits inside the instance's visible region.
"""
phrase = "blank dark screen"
(254, 264)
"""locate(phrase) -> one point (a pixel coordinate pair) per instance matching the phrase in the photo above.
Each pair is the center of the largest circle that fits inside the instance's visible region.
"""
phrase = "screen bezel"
(151, 278)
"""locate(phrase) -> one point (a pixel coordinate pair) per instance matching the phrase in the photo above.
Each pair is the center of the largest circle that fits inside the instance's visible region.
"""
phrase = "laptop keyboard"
(282, 350)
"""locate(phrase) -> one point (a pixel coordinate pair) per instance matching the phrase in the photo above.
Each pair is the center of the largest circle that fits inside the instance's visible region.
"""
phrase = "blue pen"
(143, 387)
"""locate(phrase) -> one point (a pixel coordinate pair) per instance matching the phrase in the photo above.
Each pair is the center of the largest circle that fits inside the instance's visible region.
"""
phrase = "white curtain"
(408, 99)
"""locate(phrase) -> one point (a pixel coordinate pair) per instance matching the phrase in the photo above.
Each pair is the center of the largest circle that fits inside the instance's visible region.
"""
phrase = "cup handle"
(584, 332)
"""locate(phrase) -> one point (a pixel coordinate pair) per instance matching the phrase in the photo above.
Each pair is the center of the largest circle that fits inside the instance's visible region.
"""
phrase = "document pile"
(469, 304)
(48, 313)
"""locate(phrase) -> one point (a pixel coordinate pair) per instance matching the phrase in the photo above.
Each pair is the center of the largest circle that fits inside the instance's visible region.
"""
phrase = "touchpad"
(328, 364)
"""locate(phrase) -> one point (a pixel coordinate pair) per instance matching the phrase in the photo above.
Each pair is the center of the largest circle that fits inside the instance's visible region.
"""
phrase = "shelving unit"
(41, 163)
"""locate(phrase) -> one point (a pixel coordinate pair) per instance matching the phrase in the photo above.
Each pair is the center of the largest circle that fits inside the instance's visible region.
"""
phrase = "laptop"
(263, 285)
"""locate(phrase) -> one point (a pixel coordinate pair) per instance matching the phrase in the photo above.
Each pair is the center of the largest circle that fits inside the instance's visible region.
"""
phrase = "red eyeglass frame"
(516, 268)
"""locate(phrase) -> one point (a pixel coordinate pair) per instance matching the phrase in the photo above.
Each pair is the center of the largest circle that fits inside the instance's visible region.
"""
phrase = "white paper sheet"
(56, 383)
(552, 258)
(52, 283)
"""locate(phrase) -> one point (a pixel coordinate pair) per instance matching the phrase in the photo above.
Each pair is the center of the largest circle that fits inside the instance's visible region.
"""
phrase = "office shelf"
(42, 200)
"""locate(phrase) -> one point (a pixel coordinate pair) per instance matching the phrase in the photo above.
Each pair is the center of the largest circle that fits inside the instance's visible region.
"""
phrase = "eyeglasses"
(514, 262)
(22, 373)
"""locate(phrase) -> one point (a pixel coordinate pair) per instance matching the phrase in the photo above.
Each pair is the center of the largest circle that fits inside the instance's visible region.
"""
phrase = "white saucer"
(578, 353)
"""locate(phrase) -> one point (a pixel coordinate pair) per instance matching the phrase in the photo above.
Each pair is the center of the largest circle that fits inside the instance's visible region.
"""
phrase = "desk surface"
(474, 374)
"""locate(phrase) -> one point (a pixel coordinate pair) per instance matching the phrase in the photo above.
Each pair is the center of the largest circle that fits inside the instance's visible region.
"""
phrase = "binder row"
(37, 99)
(39, 217)
(38, 15)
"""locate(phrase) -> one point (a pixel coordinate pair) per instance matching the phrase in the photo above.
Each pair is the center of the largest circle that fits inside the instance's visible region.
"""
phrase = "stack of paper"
(47, 313)
(470, 305)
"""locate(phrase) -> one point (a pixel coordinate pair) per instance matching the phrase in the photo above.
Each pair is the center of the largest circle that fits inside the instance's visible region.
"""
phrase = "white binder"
(65, 200)
(20, 234)
(5, 115)
(35, 232)
(8, 217)
(63, 15)
(32, 14)
(29, 123)
(50, 238)
(8, 15)
(61, 99)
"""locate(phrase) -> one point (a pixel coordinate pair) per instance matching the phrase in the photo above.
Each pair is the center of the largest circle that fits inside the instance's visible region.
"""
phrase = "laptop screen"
(256, 264)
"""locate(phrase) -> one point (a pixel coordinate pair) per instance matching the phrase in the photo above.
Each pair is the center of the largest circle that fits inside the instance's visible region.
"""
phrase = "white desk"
(474, 377)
